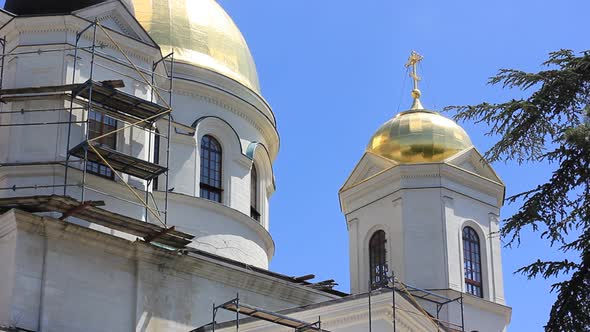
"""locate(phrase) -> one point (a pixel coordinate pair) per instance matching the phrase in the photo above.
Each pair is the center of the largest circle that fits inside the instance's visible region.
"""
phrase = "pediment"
(369, 165)
(474, 162)
(115, 16)
(5, 16)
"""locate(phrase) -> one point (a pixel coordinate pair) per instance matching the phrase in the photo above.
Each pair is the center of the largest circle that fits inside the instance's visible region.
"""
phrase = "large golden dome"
(201, 33)
(419, 136)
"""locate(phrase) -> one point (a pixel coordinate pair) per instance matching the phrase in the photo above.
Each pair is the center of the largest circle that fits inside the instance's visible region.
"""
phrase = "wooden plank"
(305, 277)
(154, 237)
(57, 88)
(119, 161)
(67, 205)
(80, 207)
(39, 89)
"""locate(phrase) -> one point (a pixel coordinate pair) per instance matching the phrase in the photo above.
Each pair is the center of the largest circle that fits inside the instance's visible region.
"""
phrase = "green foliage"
(551, 125)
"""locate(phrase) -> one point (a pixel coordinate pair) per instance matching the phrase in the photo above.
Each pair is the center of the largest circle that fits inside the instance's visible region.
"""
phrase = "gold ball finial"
(416, 93)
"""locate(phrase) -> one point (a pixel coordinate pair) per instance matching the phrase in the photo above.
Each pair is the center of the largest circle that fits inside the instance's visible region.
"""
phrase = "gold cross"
(413, 61)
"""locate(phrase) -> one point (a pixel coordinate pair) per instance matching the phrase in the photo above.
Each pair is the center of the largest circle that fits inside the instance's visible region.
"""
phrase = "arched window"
(254, 210)
(377, 261)
(472, 262)
(156, 159)
(98, 125)
(211, 169)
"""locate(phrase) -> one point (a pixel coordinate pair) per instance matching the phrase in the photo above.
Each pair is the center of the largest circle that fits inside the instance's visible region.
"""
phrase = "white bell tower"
(423, 202)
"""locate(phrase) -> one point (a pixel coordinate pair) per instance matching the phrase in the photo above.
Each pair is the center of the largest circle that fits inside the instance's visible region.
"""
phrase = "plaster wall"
(483, 320)
(423, 210)
(423, 217)
(70, 278)
(384, 214)
(462, 211)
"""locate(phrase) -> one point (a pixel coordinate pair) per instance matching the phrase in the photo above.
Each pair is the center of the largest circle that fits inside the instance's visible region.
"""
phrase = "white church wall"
(424, 255)
(383, 214)
(69, 278)
(221, 230)
(423, 217)
(483, 316)
(7, 272)
(461, 212)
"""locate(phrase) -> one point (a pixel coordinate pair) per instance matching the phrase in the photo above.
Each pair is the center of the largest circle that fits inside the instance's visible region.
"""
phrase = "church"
(136, 169)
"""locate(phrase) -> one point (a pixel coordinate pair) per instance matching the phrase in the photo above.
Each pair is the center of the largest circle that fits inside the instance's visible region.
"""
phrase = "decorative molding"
(70, 24)
(235, 106)
(226, 211)
(117, 19)
(399, 178)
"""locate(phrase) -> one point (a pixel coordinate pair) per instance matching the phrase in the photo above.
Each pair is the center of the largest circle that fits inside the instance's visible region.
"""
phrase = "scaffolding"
(413, 294)
(240, 308)
(103, 97)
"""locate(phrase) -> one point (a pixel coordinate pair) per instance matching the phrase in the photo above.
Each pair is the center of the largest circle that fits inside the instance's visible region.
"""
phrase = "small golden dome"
(201, 33)
(419, 136)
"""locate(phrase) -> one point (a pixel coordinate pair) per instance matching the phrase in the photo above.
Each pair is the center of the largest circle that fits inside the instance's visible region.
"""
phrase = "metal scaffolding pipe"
(22, 111)
(38, 123)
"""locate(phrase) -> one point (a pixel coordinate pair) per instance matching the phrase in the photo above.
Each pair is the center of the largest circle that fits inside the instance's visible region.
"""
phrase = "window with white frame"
(211, 168)
(254, 194)
(472, 262)
(377, 259)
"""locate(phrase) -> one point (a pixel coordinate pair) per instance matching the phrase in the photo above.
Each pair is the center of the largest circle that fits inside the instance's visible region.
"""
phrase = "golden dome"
(419, 136)
(201, 33)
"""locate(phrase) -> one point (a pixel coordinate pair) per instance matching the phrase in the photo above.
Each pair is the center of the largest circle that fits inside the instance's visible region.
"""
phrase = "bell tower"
(423, 203)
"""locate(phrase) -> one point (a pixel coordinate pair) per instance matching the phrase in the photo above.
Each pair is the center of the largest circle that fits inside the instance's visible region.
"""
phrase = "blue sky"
(333, 73)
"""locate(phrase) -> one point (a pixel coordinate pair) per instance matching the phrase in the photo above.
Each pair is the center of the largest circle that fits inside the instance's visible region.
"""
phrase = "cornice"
(229, 212)
(70, 24)
(117, 20)
(215, 79)
(168, 262)
(400, 177)
(483, 304)
(50, 227)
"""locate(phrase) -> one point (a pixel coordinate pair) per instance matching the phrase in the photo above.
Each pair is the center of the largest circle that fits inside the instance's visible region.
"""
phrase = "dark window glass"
(98, 125)
(254, 211)
(156, 158)
(377, 260)
(211, 169)
(472, 262)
